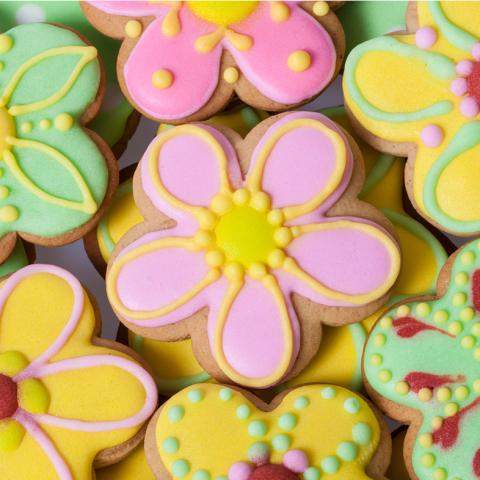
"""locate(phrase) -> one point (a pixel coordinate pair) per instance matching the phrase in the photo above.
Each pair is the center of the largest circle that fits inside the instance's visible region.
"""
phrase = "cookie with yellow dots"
(422, 366)
(271, 221)
(184, 61)
(311, 432)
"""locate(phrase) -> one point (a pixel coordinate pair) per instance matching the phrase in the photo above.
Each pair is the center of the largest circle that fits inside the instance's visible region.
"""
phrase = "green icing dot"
(328, 393)
(351, 405)
(243, 412)
(301, 402)
(176, 413)
(180, 468)
(258, 452)
(257, 428)
(362, 433)
(330, 464)
(312, 473)
(347, 451)
(226, 394)
(170, 445)
(288, 421)
(281, 443)
(201, 475)
(195, 396)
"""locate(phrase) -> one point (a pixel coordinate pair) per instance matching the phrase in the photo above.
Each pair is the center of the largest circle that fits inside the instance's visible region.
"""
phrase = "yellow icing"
(299, 61)
(6, 43)
(320, 9)
(222, 13)
(162, 79)
(11, 363)
(133, 28)
(64, 122)
(231, 74)
(279, 11)
(11, 435)
(7, 129)
(8, 213)
(33, 396)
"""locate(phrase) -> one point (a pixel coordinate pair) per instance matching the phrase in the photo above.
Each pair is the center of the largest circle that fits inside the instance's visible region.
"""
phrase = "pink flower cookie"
(184, 60)
(67, 402)
(264, 243)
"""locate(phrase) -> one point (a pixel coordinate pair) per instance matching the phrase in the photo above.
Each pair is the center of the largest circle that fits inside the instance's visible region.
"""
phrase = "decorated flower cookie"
(116, 120)
(419, 95)
(422, 365)
(55, 176)
(184, 60)
(312, 432)
(66, 401)
(255, 234)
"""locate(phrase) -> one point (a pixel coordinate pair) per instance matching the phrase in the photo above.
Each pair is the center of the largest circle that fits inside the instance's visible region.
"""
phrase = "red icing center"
(473, 82)
(273, 472)
(419, 380)
(8, 397)
(476, 463)
(408, 327)
(476, 289)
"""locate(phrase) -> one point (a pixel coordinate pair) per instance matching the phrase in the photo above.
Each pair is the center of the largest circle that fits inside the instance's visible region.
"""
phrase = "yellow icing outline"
(111, 282)
(217, 150)
(234, 289)
(88, 205)
(86, 55)
(254, 180)
(292, 267)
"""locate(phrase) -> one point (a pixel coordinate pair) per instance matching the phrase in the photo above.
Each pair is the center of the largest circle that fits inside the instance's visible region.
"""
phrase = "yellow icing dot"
(299, 61)
(459, 299)
(275, 217)
(376, 360)
(476, 329)
(441, 316)
(11, 435)
(221, 204)
(63, 122)
(45, 124)
(467, 258)
(440, 474)
(11, 363)
(380, 339)
(257, 270)
(204, 238)
(428, 460)
(437, 422)
(476, 354)
(260, 201)
(8, 213)
(162, 79)
(426, 440)
(4, 191)
(402, 388)
(462, 392)
(425, 394)
(279, 11)
(423, 309)
(222, 13)
(231, 75)
(234, 271)
(455, 328)
(33, 396)
(133, 28)
(241, 196)
(276, 258)
(207, 219)
(296, 230)
(467, 314)
(444, 394)
(26, 127)
(6, 43)
(386, 323)
(451, 409)
(283, 236)
(476, 385)
(461, 278)
(215, 258)
(385, 376)
(403, 310)
(468, 342)
(7, 129)
(320, 9)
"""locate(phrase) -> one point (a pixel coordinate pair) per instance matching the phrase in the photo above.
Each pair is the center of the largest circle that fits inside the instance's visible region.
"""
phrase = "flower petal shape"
(254, 333)
(344, 261)
(176, 55)
(315, 182)
(277, 41)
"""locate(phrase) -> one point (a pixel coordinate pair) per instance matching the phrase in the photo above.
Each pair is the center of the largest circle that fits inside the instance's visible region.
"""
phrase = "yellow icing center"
(245, 236)
(222, 13)
(7, 129)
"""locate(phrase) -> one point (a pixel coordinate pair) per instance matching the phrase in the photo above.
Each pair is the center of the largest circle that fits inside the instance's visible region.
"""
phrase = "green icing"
(243, 412)
(347, 451)
(257, 428)
(330, 464)
(439, 66)
(455, 35)
(364, 20)
(196, 395)
(467, 137)
(109, 124)
(176, 413)
(362, 433)
(180, 468)
(16, 260)
(449, 347)
(281, 443)
(301, 402)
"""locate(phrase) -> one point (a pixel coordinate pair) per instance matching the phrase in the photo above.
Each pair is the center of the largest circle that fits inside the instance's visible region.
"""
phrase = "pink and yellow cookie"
(183, 61)
(312, 432)
(68, 400)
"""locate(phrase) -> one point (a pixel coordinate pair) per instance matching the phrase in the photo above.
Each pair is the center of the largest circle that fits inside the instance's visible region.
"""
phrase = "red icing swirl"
(476, 463)
(408, 327)
(476, 289)
(419, 380)
(8, 397)
(273, 472)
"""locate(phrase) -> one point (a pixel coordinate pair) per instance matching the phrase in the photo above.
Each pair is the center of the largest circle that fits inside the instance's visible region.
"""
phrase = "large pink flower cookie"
(183, 60)
(263, 249)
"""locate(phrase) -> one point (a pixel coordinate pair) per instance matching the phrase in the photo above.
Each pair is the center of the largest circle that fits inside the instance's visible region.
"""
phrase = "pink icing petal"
(296, 461)
(469, 107)
(240, 471)
(432, 136)
(92, 361)
(464, 67)
(265, 64)
(476, 51)
(43, 440)
(459, 86)
(346, 260)
(253, 339)
(301, 163)
(425, 37)
(195, 75)
(133, 8)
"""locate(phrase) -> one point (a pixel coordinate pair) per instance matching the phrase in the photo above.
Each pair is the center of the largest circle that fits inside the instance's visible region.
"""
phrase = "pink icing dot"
(469, 107)
(296, 461)
(459, 86)
(425, 37)
(240, 471)
(476, 51)
(464, 67)
(432, 136)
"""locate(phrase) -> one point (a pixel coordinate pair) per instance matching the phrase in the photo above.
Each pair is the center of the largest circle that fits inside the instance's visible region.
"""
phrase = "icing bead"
(226, 394)
(476, 329)
(320, 9)
(441, 316)
(275, 217)
(180, 468)
(347, 451)
(330, 464)
(455, 328)
(133, 28)
(362, 433)
(162, 79)
(276, 258)
(425, 394)
(299, 61)
(243, 412)
(376, 359)
(386, 323)
(33, 396)
(215, 258)
(8, 214)
(402, 388)
(240, 471)
(423, 309)
(201, 475)
(4, 191)
(380, 339)
(279, 11)
(328, 393)
(26, 127)
(428, 460)
(312, 473)
(403, 310)
(171, 445)
(259, 452)
(459, 86)
(467, 258)
(204, 238)
(63, 122)
(231, 75)
(476, 385)
(288, 421)
(425, 37)
(352, 405)
(451, 409)
(234, 271)
(176, 413)
(444, 394)
(12, 435)
(296, 461)
(464, 67)
(476, 51)
(257, 270)
(45, 124)
(283, 236)
(468, 342)
(260, 201)
(462, 392)
(432, 136)
(459, 299)
(440, 474)
(476, 354)
(241, 196)
(437, 422)
(426, 440)
(301, 402)
(385, 376)
(195, 396)
(281, 443)
(467, 314)
(257, 428)
(469, 107)
(6, 43)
